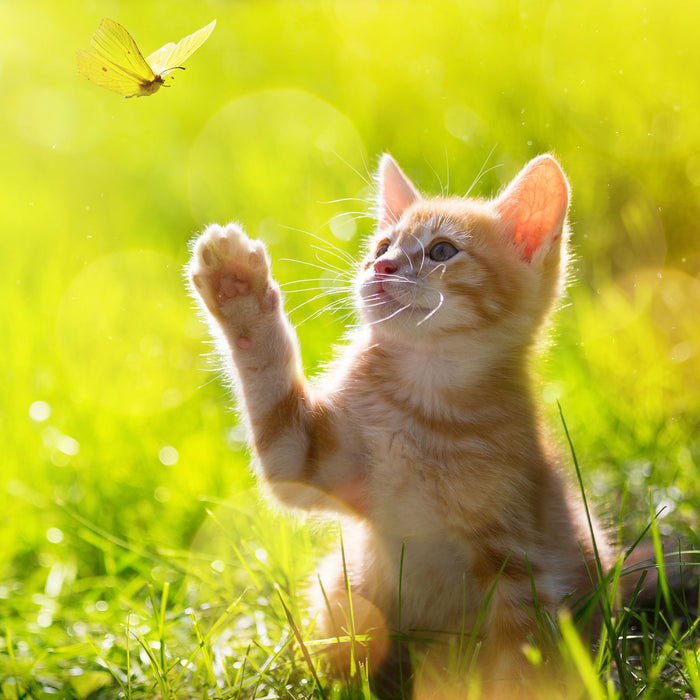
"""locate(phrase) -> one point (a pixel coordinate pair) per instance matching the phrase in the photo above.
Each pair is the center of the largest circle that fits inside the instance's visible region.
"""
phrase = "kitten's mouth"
(384, 296)
(379, 289)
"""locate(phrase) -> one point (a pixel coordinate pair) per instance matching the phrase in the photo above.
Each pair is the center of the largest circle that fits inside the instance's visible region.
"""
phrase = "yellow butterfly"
(119, 66)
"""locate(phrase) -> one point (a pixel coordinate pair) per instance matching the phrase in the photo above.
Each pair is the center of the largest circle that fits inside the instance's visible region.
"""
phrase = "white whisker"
(447, 170)
(401, 278)
(332, 267)
(434, 311)
(325, 241)
(439, 179)
(386, 318)
(331, 307)
(359, 174)
(370, 176)
(316, 297)
(441, 266)
(344, 258)
(319, 289)
(320, 280)
(375, 303)
(344, 199)
(354, 215)
(393, 277)
(482, 171)
(318, 267)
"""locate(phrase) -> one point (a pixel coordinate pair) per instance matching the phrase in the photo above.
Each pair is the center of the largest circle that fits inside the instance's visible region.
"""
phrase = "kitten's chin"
(393, 312)
(397, 321)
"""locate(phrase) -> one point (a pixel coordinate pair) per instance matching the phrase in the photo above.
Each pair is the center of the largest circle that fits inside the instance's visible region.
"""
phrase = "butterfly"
(118, 64)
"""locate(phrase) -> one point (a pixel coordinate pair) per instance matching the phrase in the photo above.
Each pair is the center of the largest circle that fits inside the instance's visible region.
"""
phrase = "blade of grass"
(463, 623)
(604, 597)
(300, 641)
(328, 607)
(237, 551)
(159, 612)
(106, 664)
(128, 658)
(158, 670)
(659, 553)
(118, 542)
(670, 649)
(13, 663)
(581, 657)
(348, 594)
(240, 674)
(692, 666)
(203, 649)
(469, 654)
(205, 639)
(627, 615)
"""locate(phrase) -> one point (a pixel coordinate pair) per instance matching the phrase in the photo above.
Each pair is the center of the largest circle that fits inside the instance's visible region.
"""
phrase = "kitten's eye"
(442, 251)
(383, 247)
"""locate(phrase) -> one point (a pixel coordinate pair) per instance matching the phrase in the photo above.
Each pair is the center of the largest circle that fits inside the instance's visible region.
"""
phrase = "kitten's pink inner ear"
(396, 192)
(534, 205)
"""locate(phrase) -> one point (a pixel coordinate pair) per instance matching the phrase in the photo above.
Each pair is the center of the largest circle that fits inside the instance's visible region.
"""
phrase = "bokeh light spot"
(162, 494)
(249, 165)
(168, 456)
(39, 411)
(122, 334)
(54, 535)
(343, 227)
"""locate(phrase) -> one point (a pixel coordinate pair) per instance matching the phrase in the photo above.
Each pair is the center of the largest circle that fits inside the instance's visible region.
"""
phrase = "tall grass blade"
(300, 641)
(112, 670)
(581, 657)
(660, 562)
(606, 607)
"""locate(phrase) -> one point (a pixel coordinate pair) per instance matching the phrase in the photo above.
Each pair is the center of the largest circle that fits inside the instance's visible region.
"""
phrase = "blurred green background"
(114, 422)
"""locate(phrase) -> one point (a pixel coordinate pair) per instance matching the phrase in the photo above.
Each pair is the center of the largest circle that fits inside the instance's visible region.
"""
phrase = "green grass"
(136, 555)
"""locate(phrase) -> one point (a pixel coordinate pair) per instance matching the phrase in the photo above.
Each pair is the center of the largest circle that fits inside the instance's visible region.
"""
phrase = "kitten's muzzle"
(385, 266)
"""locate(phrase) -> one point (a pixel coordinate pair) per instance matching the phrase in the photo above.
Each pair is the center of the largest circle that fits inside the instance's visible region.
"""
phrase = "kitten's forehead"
(419, 231)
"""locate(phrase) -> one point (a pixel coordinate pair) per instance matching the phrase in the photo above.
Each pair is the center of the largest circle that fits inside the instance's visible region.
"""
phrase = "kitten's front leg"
(293, 432)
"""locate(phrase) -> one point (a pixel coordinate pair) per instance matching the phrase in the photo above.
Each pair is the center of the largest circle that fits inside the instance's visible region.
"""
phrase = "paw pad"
(228, 266)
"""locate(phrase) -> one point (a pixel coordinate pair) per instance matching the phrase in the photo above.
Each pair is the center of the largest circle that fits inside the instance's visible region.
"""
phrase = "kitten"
(426, 429)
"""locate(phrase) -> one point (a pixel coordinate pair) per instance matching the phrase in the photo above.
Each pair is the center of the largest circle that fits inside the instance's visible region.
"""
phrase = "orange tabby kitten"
(425, 430)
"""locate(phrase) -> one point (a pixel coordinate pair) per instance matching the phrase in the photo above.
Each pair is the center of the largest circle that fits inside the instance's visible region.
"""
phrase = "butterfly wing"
(118, 64)
(172, 56)
(160, 57)
(108, 75)
(114, 43)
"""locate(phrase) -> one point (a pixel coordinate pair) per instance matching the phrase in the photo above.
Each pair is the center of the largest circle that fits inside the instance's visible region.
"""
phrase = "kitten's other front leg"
(293, 432)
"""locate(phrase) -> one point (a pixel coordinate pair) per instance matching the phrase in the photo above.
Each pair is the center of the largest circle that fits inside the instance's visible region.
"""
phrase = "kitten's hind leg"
(353, 613)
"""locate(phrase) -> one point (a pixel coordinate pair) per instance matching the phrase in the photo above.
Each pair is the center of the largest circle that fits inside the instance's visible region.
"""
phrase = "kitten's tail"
(667, 584)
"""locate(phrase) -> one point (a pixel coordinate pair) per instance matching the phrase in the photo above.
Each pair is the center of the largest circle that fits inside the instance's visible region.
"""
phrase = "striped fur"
(426, 431)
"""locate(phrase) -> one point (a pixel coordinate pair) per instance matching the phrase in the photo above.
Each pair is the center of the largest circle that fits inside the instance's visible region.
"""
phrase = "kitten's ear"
(396, 192)
(534, 207)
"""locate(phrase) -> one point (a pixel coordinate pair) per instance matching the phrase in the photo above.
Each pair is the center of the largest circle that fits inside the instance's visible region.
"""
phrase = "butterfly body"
(149, 88)
(118, 64)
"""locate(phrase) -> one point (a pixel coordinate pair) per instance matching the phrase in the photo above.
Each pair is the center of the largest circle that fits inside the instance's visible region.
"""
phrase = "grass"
(136, 555)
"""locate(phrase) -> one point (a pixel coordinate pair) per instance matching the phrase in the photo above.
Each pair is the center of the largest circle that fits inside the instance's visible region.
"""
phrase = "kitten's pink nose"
(383, 266)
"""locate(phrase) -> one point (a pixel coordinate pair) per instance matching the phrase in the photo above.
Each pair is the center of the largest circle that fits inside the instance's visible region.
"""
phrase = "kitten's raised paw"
(231, 273)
